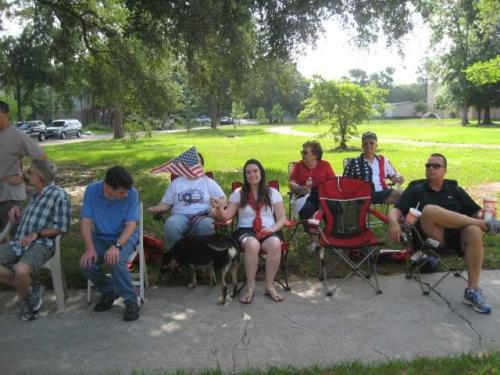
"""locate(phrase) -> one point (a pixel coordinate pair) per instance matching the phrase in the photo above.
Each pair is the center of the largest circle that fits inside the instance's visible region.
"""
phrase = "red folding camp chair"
(344, 207)
(285, 245)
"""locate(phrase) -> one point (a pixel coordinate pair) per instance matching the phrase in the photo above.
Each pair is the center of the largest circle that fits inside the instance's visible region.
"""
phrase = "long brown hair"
(263, 192)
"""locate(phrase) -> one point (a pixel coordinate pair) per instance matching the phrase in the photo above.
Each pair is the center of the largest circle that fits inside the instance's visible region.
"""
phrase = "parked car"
(226, 120)
(35, 129)
(202, 119)
(64, 128)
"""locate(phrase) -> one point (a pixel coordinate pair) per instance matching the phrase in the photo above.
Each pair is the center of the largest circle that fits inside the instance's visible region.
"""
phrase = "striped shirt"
(51, 209)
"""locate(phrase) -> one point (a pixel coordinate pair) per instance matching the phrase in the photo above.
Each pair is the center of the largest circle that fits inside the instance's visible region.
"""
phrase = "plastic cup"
(490, 208)
(412, 216)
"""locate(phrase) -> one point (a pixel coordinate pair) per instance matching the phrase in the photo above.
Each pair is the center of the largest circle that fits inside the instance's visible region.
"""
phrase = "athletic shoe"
(493, 226)
(474, 297)
(25, 311)
(35, 297)
(106, 301)
(131, 311)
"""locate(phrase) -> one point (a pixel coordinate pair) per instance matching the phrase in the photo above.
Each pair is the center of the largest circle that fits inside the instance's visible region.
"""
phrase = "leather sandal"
(247, 296)
(274, 295)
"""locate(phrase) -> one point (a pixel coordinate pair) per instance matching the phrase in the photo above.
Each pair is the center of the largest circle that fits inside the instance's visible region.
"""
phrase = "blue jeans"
(120, 281)
(177, 226)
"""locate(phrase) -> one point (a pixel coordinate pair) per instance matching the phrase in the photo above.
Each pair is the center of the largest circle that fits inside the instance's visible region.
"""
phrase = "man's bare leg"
(472, 244)
(435, 218)
(22, 279)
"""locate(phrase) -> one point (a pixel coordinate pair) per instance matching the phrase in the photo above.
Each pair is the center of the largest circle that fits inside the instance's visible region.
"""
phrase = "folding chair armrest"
(379, 215)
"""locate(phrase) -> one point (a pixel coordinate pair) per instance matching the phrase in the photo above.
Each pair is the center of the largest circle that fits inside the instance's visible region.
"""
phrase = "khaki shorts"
(36, 256)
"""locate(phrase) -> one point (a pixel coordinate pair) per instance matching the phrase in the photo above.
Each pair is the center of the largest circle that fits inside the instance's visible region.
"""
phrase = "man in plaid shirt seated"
(46, 216)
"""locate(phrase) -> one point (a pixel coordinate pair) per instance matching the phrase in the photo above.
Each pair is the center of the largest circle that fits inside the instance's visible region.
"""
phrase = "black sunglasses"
(433, 165)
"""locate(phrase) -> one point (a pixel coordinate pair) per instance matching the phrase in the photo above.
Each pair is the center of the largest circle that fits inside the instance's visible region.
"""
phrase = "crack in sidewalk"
(244, 341)
(469, 322)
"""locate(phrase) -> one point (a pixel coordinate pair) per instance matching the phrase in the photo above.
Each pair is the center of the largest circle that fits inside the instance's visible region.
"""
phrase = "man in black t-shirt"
(450, 216)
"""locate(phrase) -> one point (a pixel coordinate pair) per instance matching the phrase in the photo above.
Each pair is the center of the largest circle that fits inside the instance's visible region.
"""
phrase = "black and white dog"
(218, 252)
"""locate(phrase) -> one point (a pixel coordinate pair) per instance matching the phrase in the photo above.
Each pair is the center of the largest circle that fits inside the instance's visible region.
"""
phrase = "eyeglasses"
(433, 165)
(371, 143)
(304, 152)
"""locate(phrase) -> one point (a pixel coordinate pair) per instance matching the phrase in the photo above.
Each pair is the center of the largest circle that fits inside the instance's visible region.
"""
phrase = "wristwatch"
(118, 245)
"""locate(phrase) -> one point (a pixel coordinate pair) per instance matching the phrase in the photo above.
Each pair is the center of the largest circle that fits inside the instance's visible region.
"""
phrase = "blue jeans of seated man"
(177, 226)
(120, 281)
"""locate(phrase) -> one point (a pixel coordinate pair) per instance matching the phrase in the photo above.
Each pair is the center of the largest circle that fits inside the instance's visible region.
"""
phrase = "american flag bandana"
(187, 164)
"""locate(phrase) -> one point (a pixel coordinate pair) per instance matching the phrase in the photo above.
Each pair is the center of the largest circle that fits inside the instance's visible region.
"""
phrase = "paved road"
(287, 130)
(183, 328)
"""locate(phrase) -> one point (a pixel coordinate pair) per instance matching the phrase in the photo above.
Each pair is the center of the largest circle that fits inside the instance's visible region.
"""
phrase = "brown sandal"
(274, 295)
(247, 296)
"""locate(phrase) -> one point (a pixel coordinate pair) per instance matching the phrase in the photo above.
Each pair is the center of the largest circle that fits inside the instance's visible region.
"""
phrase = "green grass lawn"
(466, 364)
(448, 131)
(225, 156)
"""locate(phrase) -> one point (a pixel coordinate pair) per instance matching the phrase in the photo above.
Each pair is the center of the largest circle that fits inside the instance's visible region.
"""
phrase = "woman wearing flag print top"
(188, 196)
(261, 214)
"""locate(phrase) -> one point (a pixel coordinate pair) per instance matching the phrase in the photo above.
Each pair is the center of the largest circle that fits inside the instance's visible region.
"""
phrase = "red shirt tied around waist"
(319, 174)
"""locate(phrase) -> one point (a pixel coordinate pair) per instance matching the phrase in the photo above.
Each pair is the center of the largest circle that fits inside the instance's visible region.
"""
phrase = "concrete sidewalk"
(183, 328)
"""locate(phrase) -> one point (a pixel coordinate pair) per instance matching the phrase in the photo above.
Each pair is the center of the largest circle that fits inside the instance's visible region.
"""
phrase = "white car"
(202, 119)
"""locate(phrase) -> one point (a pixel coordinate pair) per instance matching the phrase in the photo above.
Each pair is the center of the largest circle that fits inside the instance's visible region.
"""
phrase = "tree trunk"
(465, 115)
(19, 100)
(212, 107)
(478, 115)
(487, 116)
(118, 132)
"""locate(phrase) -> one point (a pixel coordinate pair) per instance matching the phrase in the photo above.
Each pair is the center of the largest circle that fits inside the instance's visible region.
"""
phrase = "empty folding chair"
(344, 206)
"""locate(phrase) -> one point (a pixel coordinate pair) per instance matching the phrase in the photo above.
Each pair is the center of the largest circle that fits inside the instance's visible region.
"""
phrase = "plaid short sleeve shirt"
(49, 209)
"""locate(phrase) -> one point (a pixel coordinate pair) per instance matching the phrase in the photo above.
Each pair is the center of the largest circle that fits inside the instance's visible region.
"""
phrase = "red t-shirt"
(319, 174)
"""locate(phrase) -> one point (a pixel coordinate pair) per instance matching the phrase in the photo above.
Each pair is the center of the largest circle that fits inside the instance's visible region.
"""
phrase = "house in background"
(401, 110)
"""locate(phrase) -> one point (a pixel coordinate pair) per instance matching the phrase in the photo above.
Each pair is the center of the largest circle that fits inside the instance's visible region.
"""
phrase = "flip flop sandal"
(274, 295)
(247, 296)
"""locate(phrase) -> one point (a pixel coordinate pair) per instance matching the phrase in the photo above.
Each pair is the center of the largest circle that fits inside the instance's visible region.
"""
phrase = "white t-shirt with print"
(246, 215)
(388, 171)
(188, 197)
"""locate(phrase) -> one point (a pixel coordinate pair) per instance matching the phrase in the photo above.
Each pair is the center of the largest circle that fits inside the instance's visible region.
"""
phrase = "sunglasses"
(433, 165)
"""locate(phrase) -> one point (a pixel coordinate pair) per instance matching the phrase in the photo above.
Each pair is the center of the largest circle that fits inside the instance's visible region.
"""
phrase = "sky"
(334, 56)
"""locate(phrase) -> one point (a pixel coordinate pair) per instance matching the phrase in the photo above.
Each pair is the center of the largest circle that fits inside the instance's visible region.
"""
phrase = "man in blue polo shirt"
(111, 208)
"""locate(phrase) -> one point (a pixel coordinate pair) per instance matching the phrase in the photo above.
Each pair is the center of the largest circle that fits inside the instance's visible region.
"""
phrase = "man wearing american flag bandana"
(188, 198)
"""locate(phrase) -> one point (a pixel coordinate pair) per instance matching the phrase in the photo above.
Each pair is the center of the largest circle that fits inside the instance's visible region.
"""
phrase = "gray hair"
(46, 169)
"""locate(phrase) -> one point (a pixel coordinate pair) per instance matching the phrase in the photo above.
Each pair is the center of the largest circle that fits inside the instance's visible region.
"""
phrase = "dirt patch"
(74, 179)
(478, 192)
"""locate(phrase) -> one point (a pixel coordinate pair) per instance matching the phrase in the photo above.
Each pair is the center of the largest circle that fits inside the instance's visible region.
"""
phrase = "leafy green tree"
(25, 65)
(413, 92)
(457, 24)
(421, 107)
(261, 115)
(342, 105)
(277, 113)
(484, 72)
(238, 112)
